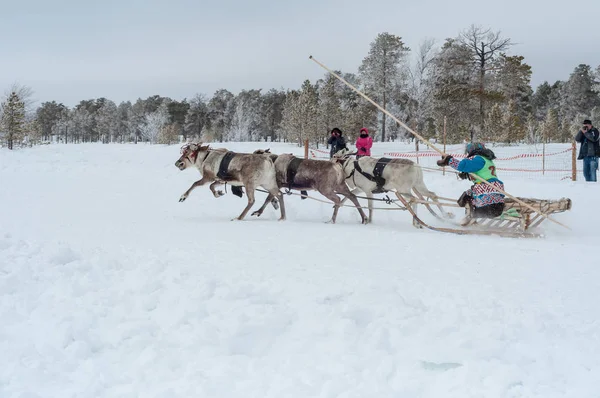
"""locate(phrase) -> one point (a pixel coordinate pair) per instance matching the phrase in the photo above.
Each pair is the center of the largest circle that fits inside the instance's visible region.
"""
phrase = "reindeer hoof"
(220, 193)
(281, 219)
(256, 213)
(183, 198)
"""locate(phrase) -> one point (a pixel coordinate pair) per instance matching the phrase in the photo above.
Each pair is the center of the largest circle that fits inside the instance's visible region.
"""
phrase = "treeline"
(470, 87)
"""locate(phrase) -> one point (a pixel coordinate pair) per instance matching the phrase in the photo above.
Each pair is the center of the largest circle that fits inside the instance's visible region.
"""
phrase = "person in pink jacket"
(364, 143)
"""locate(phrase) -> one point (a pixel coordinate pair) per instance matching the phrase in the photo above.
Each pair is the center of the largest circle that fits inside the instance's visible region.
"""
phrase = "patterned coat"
(482, 194)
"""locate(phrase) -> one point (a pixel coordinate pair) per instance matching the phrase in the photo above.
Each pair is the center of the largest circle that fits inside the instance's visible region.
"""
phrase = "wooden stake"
(426, 141)
(305, 149)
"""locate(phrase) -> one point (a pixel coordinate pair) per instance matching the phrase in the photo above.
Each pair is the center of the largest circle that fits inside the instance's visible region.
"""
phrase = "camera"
(585, 128)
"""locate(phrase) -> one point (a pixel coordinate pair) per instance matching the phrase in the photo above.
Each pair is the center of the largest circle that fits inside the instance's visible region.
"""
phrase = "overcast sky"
(68, 50)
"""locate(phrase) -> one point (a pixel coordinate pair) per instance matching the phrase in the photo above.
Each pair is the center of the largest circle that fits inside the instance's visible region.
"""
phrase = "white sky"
(124, 49)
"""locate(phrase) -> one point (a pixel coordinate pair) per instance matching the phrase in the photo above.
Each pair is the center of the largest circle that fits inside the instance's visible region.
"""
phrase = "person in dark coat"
(336, 141)
(589, 151)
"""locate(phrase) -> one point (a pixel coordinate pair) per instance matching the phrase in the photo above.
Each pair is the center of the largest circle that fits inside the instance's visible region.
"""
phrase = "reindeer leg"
(194, 186)
(336, 204)
(281, 205)
(251, 200)
(370, 196)
(354, 191)
(259, 212)
(346, 192)
(217, 194)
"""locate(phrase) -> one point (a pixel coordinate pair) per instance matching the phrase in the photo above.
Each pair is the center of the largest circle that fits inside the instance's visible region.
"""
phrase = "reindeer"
(307, 174)
(399, 175)
(244, 169)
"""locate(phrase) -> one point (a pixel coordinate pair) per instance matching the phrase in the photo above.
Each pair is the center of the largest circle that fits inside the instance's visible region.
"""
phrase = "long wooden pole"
(429, 143)
(573, 161)
(444, 138)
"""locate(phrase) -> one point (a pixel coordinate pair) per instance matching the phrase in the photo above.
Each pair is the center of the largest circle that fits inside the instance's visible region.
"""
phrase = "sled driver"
(485, 201)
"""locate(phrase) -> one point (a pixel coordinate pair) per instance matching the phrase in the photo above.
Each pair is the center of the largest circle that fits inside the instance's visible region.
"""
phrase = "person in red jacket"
(364, 143)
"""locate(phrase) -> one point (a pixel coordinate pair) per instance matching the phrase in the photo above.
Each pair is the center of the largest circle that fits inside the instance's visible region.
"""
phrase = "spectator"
(336, 141)
(589, 151)
(364, 143)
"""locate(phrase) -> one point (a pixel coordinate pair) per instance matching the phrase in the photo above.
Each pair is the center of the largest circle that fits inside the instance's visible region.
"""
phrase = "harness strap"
(224, 166)
(367, 175)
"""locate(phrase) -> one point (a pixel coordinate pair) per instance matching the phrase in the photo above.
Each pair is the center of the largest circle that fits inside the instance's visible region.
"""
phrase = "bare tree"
(484, 45)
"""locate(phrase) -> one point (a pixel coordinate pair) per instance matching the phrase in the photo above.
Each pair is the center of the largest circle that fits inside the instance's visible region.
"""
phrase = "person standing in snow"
(589, 151)
(486, 201)
(363, 143)
(336, 141)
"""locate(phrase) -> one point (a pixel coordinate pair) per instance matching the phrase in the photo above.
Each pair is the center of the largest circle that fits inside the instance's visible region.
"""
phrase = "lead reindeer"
(307, 174)
(218, 166)
(371, 175)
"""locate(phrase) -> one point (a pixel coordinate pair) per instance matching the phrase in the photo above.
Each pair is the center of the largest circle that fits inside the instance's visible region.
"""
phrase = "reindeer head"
(341, 156)
(189, 155)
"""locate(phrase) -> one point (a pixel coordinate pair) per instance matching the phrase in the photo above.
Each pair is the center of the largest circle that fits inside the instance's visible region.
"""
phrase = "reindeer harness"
(376, 177)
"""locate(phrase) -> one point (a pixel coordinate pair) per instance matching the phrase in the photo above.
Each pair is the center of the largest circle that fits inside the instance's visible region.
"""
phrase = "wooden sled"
(516, 221)
(518, 217)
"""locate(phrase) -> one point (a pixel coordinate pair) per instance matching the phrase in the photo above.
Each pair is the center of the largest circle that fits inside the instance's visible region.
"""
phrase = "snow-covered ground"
(109, 287)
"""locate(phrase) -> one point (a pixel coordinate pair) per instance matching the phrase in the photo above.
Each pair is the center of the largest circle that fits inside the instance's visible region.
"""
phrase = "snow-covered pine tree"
(154, 123)
(271, 113)
(47, 116)
(12, 120)
(245, 122)
(454, 83)
(196, 117)
(290, 121)
(532, 128)
(513, 82)
(330, 109)
(220, 113)
(106, 121)
(514, 128)
(383, 70)
(495, 126)
(577, 96)
(308, 113)
(596, 85)
(551, 127)
(420, 89)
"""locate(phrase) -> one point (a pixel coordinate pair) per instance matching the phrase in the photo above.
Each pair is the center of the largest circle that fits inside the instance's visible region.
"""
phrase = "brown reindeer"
(244, 169)
(307, 174)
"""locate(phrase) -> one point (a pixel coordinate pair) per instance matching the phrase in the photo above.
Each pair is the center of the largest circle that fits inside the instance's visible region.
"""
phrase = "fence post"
(574, 161)
(305, 149)
(544, 157)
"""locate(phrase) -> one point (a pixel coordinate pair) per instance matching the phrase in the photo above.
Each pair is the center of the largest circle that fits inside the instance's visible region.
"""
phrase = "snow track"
(111, 288)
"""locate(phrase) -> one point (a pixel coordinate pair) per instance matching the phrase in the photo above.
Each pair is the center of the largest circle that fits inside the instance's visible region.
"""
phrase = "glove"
(363, 149)
(445, 161)
(463, 176)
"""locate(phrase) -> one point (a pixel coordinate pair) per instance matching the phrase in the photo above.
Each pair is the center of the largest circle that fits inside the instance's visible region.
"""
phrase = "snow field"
(111, 287)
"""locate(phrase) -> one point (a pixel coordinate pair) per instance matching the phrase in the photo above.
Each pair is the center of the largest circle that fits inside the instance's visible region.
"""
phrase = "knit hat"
(336, 130)
(364, 129)
(587, 121)
(471, 146)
